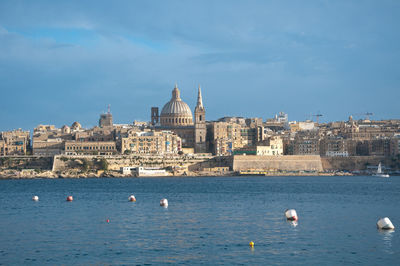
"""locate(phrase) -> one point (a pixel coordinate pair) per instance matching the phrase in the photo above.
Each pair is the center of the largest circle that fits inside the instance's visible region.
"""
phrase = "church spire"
(199, 99)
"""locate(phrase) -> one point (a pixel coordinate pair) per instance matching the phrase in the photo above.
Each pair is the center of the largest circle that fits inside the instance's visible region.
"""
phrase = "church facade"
(177, 117)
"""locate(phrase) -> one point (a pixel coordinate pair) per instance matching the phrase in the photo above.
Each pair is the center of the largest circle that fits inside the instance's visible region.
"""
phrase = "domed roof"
(76, 125)
(176, 106)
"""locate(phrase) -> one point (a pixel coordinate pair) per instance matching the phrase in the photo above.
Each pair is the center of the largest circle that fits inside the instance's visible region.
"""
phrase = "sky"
(65, 61)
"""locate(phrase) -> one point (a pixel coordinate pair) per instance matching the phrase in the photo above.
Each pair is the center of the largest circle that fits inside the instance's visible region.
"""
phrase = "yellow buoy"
(251, 244)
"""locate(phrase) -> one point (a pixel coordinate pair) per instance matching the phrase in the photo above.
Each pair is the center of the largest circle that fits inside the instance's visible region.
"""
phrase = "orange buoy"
(132, 198)
(70, 198)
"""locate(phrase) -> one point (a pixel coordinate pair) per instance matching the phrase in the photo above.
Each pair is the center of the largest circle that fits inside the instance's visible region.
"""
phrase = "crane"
(318, 116)
(367, 115)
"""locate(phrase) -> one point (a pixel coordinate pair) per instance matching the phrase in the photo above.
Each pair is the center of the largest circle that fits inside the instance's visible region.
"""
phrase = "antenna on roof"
(109, 109)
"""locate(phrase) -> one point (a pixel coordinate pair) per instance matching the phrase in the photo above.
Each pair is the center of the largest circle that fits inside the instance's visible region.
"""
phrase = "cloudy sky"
(64, 61)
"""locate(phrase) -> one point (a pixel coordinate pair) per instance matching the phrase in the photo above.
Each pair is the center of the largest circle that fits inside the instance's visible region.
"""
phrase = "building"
(334, 146)
(106, 120)
(49, 140)
(200, 130)
(15, 142)
(274, 147)
(306, 143)
(177, 117)
(151, 142)
(224, 137)
(90, 148)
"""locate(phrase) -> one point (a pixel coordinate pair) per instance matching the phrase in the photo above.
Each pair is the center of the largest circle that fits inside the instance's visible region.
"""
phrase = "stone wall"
(274, 163)
(218, 161)
(355, 163)
(115, 162)
(26, 162)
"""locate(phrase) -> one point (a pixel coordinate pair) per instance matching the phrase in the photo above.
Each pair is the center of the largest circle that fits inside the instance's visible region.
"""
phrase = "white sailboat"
(379, 172)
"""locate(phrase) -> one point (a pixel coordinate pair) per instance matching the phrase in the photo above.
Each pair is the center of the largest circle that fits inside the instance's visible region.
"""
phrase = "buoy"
(251, 244)
(132, 198)
(70, 198)
(291, 215)
(164, 203)
(35, 198)
(385, 224)
(108, 220)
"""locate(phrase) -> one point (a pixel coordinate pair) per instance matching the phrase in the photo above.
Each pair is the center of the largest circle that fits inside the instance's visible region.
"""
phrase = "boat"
(379, 172)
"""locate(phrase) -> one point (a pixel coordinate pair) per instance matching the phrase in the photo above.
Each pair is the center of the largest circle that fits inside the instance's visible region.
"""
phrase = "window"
(200, 117)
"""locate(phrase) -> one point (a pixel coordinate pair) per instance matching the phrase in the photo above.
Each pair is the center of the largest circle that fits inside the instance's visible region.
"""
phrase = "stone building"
(274, 147)
(306, 143)
(200, 130)
(224, 137)
(49, 140)
(15, 142)
(90, 148)
(151, 142)
(177, 117)
(334, 146)
(106, 120)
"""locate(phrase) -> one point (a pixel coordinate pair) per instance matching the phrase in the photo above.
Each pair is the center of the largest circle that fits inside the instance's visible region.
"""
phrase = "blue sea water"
(209, 221)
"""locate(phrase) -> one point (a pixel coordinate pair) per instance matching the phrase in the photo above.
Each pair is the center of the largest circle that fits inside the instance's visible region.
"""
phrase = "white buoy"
(35, 198)
(291, 215)
(164, 203)
(385, 224)
(132, 198)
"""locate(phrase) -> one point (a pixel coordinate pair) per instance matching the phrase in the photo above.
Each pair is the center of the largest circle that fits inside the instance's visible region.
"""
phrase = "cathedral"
(177, 117)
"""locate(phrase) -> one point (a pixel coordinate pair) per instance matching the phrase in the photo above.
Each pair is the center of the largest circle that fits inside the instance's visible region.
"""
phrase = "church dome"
(76, 126)
(176, 112)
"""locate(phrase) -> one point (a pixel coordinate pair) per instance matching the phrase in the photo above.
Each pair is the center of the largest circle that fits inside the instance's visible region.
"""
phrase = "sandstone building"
(177, 117)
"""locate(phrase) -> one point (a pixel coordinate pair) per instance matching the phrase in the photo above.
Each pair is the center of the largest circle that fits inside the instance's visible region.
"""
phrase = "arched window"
(200, 117)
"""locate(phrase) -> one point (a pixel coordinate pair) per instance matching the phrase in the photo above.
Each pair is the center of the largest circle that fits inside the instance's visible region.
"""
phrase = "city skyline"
(65, 62)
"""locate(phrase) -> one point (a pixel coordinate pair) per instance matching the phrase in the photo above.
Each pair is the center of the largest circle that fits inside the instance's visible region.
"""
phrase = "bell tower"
(200, 129)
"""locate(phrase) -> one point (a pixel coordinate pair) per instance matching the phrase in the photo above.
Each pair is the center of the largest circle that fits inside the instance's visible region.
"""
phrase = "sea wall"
(115, 162)
(217, 161)
(275, 163)
(355, 163)
(26, 162)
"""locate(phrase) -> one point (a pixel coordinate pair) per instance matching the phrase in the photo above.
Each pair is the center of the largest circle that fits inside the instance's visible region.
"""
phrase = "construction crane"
(367, 115)
(318, 116)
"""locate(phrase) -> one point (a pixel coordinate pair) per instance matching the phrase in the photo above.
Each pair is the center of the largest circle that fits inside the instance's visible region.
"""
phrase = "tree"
(85, 165)
(103, 164)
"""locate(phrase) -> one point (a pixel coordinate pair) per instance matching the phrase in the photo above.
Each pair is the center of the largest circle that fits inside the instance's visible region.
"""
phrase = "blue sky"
(64, 61)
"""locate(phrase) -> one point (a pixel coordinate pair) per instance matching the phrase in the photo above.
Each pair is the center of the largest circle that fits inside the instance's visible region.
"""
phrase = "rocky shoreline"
(34, 174)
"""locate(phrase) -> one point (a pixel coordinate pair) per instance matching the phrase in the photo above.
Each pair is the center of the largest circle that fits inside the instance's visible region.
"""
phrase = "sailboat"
(379, 172)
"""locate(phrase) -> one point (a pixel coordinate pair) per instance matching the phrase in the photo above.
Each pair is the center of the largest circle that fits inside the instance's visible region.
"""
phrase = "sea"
(209, 221)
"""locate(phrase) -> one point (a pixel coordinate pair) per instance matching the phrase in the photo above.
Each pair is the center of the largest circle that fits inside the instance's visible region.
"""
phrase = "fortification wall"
(115, 162)
(274, 163)
(218, 161)
(354, 163)
(26, 162)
